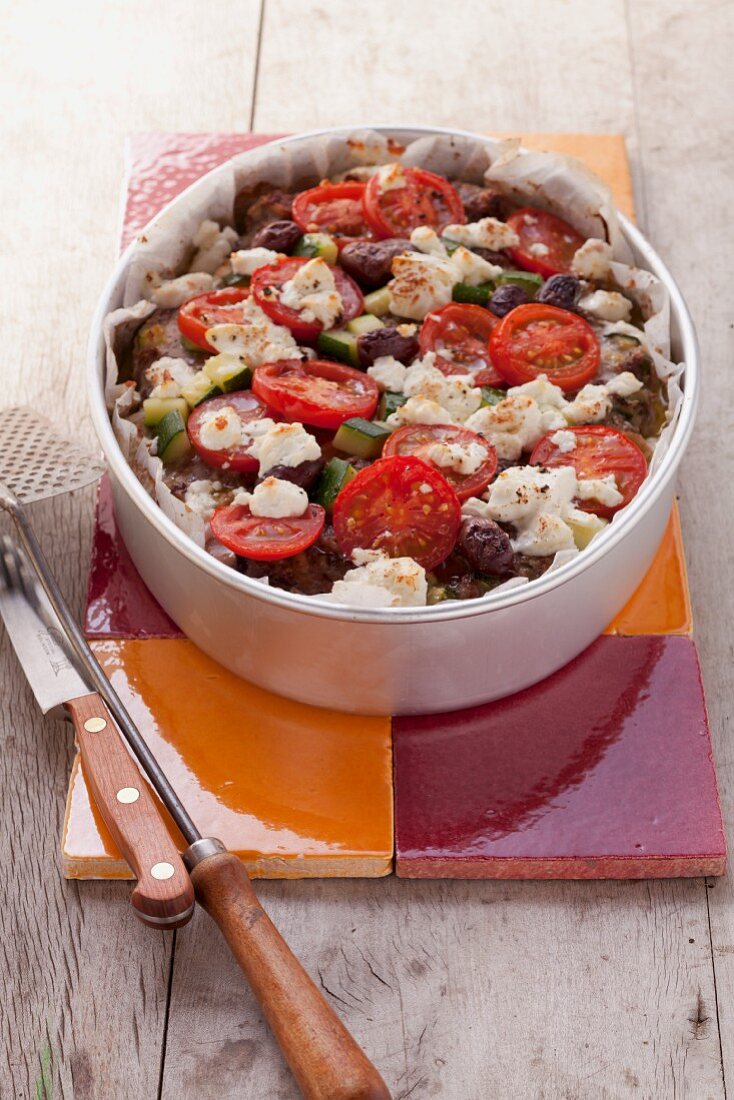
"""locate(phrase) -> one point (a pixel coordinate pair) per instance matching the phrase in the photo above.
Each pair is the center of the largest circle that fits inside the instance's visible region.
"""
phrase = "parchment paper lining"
(551, 181)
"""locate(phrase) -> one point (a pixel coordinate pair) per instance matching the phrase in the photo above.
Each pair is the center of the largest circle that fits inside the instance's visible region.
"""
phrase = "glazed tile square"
(602, 771)
(295, 791)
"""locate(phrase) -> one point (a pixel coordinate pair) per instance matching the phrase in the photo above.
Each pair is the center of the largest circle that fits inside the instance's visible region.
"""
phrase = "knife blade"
(163, 896)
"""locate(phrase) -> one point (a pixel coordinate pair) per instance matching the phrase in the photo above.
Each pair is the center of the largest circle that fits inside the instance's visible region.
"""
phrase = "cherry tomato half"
(537, 339)
(555, 242)
(334, 208)
(462, 332)
(219, 307)
(417, 439)
(599, 451)
(400, 505)
(248, 407)
(426, 199)
(317, 391)
(263, 538)
(267, 283)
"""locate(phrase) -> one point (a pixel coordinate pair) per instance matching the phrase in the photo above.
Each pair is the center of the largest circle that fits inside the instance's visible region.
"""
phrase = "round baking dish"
(397, 660)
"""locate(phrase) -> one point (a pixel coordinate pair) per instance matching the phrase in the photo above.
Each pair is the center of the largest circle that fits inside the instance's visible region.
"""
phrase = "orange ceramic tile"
(295, 791)
(661, 605)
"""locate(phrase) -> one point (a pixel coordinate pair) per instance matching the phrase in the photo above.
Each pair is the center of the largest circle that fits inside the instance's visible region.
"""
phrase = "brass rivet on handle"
(95, 725)
(128, 795)
(162, 870)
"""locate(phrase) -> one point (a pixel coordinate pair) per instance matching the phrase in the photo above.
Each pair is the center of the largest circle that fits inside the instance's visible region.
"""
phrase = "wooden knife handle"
(163, 896)
(325, 1060)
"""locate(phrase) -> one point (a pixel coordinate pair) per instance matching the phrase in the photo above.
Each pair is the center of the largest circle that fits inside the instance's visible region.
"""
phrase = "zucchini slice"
(362, 438)
(366, 323)
(155, 408)
(199, 389)
(173, 439)
(228, 373)
(339, 344)
(528, 280)
(378, 302)
(475, 295)
(337, 473)
(317, 244)
(389, 403)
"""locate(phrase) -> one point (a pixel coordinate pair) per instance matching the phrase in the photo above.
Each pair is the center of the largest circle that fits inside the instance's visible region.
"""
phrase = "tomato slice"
(426, 199)
(263, 538)
(545, 232)
(219, 307)
(416, 439)
(266, 285)
(248, 407)
(334, 208)
(537, 339)
(317, 391)
(400, 505)
(462, 332)
(599, 451)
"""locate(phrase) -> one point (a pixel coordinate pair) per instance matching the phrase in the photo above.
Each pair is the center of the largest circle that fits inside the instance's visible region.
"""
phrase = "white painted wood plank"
(685, 87)
(84, 985)
(470, 990)
(482, 64)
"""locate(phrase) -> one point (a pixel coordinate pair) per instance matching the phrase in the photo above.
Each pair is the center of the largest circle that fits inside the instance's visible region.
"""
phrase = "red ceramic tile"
(602, 771)
(118, 603)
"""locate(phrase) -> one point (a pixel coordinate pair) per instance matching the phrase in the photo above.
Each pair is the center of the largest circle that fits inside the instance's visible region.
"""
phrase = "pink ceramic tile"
(161, 165)
(603, 771)
(118, 603)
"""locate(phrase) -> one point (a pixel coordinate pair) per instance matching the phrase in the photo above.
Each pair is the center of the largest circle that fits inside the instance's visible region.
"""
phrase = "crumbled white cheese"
(592, 259)
(200, 499)
(564, 440)
(420, 284)
(247, 260)
(535, 501)
(464, 458)
(591, 404)
(549, 399)
(472, 269)
(603, 489)
(624, 384)
(538, 249)
(276, 498)
(254, 341)
(172, 294)
(455, 393)
(606, 305)
(220, 428)
(511, 426)
(419, 410)
(403, 579)
(312, 293)
(284, 445)
(425, 239)
(486, 233)
(391, 177)
(389, 373)
(213, 245)
(168, 376)
(475, 506)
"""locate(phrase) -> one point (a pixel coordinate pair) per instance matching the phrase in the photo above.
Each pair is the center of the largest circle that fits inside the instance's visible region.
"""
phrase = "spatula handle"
(325, 1060)
(163, 896)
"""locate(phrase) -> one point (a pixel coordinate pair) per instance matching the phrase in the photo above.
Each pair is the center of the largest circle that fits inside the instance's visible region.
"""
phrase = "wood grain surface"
(461, 991)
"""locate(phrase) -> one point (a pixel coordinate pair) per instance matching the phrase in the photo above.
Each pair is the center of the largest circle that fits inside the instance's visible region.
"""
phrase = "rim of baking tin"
(311, 605)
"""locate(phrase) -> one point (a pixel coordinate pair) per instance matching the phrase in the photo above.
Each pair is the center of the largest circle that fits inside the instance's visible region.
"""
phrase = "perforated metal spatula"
(36, 462)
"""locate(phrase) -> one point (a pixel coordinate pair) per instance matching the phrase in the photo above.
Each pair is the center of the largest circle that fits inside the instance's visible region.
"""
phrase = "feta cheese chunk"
(472, 269)
(456, 393)
(606, 305)
(391, 177)
(284, 445)
(403, 579)
(213, 245)
(220, 429)
(420, 283)
(535, 501)
(624, 384)
(247, 260)
(463, 458)
(486, 233)
(512, 426)
(277, 498)
(168, 376)
(174, 292)
(549, 399)
(200, 497)
(255, 341)
(475, 506)
(312, 293)
(538, 249)
(419, 410)
(592, 259)
(564, 440)
(426, 240)
(389, 373)
(591, 404)
(603, 489)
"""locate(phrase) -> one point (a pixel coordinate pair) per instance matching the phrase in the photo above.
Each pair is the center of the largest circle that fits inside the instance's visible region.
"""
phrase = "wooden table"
(458, 990)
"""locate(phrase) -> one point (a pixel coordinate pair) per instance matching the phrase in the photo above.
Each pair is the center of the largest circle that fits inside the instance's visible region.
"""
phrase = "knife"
(163, 896)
